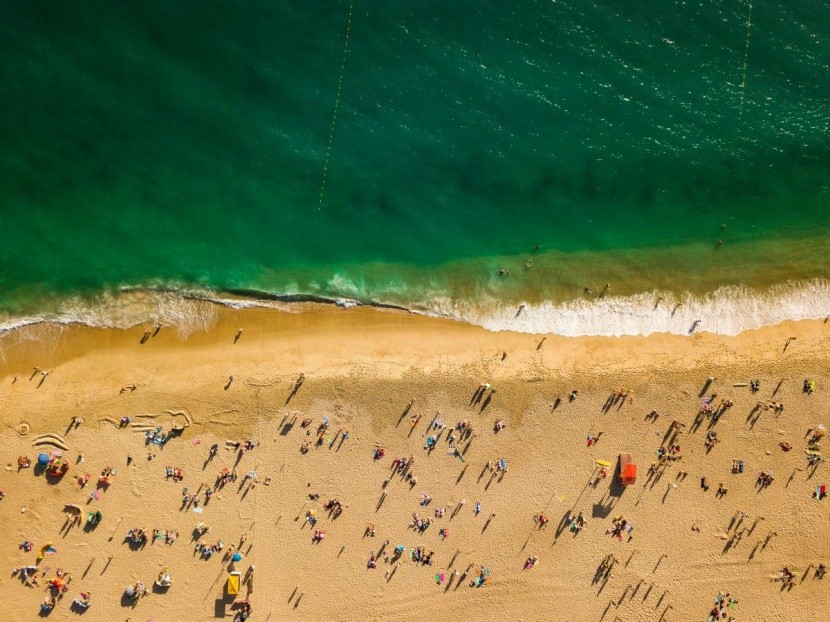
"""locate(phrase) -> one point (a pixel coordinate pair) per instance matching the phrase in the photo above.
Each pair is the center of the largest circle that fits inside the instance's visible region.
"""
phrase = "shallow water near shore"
(180, 149)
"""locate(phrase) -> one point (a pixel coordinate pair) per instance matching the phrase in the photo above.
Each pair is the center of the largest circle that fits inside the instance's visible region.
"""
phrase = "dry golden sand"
(362, 367)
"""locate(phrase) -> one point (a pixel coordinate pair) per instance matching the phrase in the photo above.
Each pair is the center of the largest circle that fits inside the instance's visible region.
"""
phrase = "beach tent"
(45, 550)
(628, 470)
(43, 459)
(232, 587)
(237, 557)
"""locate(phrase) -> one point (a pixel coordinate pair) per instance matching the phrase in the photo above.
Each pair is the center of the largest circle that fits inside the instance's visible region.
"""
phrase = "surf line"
(336, 106)
(742, 85)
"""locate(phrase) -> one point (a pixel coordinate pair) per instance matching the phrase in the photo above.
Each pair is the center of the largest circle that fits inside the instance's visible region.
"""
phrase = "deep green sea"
(405, 152)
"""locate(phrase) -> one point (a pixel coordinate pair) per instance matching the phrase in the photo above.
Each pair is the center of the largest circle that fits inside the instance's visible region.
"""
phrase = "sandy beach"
(383, 380)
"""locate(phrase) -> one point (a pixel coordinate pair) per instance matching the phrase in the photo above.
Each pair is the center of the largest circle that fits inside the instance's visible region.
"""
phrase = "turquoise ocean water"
(182, 146)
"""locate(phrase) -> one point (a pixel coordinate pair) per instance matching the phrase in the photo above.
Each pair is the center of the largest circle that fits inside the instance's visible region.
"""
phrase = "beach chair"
(232, 586)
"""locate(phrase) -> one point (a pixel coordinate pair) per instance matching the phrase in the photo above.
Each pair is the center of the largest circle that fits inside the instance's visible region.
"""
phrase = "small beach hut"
(628, 470)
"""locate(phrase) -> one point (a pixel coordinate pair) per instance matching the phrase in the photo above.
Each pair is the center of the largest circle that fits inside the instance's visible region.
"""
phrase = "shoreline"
(49, 337)
(729, 310)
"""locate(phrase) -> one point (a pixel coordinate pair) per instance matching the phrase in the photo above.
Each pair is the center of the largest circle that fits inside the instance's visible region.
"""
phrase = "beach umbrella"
(237, 557)
(44, 550)
(42, 459)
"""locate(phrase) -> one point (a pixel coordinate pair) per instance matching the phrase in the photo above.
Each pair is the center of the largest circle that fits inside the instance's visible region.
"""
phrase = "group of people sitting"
(176, 473)
(169, 537)
(765, 478)
(576, 523)
(206, 550)
(419, 524)
(156, 437)
(225, 476)
(137, 536)
(419, 554)
(672, 452)
(619, 526)
(334, 507)
(719, 611)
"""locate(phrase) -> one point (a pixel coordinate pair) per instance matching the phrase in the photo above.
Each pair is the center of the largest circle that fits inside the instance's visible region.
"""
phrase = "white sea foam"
(132, 306)
(727, 311)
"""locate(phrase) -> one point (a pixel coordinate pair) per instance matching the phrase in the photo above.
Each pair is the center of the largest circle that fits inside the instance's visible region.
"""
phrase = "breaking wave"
(728, 310)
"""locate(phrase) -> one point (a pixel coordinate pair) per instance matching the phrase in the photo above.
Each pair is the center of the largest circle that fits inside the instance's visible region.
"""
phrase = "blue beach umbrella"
(237, 557)
(43, 459)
